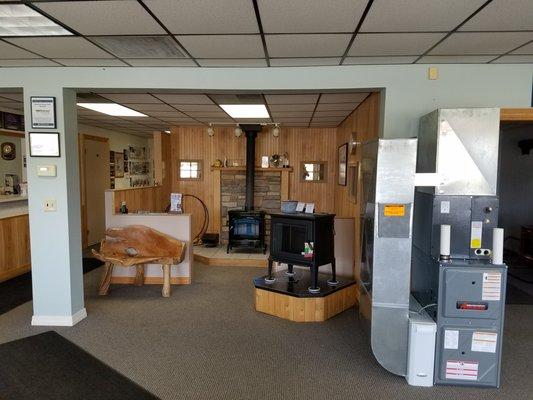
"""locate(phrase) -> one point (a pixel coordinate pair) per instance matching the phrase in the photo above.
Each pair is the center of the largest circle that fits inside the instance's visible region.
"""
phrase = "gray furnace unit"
(432, 276)
(457, 272)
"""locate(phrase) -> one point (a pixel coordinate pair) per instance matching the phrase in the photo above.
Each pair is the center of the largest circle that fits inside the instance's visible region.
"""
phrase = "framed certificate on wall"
(44, 144)
(43, 112)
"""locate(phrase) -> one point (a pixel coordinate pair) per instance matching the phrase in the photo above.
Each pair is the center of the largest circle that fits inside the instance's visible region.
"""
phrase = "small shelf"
(243, 168)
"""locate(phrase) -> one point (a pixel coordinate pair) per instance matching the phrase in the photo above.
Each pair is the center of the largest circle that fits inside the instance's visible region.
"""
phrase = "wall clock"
(8, 151)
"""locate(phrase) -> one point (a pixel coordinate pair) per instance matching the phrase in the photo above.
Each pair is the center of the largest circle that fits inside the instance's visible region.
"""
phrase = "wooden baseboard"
(151, 280)
(231, 262)
(12, 273)
(305, 309)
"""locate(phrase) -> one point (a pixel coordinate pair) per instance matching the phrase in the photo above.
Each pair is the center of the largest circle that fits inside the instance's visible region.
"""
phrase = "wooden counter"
(14, 239)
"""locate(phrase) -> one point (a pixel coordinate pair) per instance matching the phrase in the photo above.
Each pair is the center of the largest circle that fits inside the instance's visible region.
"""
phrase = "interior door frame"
(83, 137)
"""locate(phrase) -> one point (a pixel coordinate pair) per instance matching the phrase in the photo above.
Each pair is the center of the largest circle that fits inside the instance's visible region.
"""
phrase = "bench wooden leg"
(106, 279)
(139, 275)
(166, 280)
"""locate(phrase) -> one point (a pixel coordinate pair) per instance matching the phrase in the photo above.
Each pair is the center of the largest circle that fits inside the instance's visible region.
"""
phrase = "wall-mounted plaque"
(43, 112)
(44, 144)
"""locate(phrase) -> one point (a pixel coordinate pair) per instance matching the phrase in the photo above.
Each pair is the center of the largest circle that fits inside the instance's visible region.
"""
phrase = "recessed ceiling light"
(21, 20)
(246, 110)
(112, 109)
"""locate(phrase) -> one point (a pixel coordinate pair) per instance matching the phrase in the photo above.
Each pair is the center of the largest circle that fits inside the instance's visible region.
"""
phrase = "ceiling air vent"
(140, 46)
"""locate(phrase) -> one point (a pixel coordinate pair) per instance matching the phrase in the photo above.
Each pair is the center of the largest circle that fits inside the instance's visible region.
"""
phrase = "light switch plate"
(46, 170)
(50, 205)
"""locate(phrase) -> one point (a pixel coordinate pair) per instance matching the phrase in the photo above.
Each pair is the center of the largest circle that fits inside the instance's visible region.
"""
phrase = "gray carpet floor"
(208, 342)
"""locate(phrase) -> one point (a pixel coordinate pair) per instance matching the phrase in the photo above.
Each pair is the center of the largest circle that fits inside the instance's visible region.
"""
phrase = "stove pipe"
(250, 132)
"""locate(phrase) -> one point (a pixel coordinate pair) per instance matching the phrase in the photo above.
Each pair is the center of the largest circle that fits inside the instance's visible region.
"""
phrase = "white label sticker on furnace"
(492, 285)
(444, 207)
(475, 234)
(451, 339)
(484, 342)
(462, 370)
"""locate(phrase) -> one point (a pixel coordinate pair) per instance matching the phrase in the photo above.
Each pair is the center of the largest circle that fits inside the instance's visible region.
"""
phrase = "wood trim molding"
(95, 138)
(8, 132)
(232, 262)
(516, 114)
(12, 273)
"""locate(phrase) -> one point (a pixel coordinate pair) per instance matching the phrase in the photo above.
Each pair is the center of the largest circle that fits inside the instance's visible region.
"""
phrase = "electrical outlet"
(50, 205)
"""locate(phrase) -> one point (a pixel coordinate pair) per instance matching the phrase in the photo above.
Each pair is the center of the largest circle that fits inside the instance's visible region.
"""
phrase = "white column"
(56, 254)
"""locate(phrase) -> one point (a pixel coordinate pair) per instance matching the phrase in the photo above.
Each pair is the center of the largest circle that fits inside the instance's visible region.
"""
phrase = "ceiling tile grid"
(271, 33)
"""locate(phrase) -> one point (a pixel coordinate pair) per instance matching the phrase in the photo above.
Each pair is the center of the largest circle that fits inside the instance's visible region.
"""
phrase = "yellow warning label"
(394, 210)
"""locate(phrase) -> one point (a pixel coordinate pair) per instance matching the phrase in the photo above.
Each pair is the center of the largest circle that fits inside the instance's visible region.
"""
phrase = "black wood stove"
(247, 227)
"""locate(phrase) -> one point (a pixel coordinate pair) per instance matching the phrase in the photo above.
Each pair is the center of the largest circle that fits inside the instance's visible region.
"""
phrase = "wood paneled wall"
(301, 144)
(14, 246)
(364, 121)
(140, 199)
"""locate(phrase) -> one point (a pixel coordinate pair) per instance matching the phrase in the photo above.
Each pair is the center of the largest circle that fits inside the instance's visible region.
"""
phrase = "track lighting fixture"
(275, 130)
(238, 131)
(211, 130)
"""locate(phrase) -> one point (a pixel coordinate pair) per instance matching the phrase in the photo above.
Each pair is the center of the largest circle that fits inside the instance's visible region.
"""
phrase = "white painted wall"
(515, 182)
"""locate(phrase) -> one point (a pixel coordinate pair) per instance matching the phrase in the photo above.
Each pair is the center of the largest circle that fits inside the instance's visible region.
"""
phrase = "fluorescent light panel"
(246, 110)
(112, 109)
(21, 20)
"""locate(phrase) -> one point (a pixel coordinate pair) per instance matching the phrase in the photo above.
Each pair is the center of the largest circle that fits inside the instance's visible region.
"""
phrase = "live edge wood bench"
(137, 245)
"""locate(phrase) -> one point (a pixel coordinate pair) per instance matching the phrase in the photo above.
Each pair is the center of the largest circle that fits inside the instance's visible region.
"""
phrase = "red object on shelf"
(472, 306)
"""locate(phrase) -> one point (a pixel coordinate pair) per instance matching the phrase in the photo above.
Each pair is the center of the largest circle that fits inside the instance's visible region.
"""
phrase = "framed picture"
(343, 164)
(43, 112)
(13, 122)
(44, 144)
(119, 165)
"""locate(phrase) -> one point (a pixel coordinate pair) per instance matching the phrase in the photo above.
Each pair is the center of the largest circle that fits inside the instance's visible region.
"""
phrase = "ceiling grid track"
(453, 30)
(261, 32)
(356, 31)
(314, 109)
(173, 37)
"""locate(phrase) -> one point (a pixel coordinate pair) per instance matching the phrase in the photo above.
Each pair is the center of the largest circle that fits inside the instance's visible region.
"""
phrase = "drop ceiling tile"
(165, 114)
(481, 43)
(179, 120)
(343, 97)
(150, 107)
(455, 59)
(304, 62)
(198, 107)
(140, 46)
(216, 120)
(172, 98)
(386, 44)
(527, 49)
(291, 98)
(223, 46)
(502, 15)
(291, 107)
(232, 62)
(336, 106)
(379, 60)
(290, 114)
(103, 17)
(253, 120)
(8, 51)
(301, 120)
(239, 98)
(312, 45)
(294, 125)
(336, 113)
(205, 16)
(160, 62)
(39, 62)
(206, 114)
(515, 59)
(289, 16)
(134, 98)
(61, 47)
(416, 15)
(90, 62)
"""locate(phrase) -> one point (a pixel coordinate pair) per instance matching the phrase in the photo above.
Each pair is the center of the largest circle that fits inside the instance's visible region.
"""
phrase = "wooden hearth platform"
(217, 256)
(291, 301)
